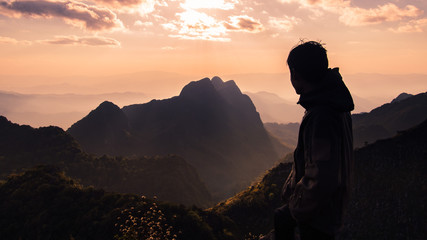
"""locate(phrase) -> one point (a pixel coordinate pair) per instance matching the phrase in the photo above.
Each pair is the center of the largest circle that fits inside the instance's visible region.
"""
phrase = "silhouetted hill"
(106, 126)
(402, 113)
(401, 97)
(44, 203)
(253, 209)
(211, 124)
(170, 178)
(23, 147)
(390, 188)
(387, 200)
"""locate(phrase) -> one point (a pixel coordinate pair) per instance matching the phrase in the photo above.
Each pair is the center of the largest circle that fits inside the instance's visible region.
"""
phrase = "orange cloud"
(244, 23)
(354, 16)
(78, 14)
(209, 4)
(143, 7)
(357, 16)
(412, 26)
(8, 40)
(284, 24)
(196, 25)
(83, 41)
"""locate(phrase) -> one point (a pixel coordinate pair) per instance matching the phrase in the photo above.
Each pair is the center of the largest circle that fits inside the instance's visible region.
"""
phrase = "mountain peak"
(198, 89)
(217, 81)
(401, 97)
(106, 105)
(228, 86)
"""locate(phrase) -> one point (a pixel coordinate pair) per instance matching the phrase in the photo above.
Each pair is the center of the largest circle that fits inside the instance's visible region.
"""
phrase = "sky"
(56, 39)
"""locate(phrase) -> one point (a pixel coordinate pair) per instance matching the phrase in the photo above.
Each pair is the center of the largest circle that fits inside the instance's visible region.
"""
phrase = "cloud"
(196, 25)
(244, 23)
(209, 4)
(78, 14)
(8, 40)
(389, 12)
(357, 16)
(139, 23)
(411, 26)
(285, 24)
(123, 3)
(83, 41)
(319, 3)
(143, 7)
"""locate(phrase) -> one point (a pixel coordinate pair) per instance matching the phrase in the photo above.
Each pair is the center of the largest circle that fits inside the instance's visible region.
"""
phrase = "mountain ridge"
(169, 177)
(211, 124)
(388, 119)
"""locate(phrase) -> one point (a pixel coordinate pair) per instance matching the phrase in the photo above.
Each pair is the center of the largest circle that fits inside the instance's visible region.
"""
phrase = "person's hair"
(309, 59)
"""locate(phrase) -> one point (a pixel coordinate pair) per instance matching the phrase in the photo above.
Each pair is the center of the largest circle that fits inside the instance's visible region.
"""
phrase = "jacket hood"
(332, 92)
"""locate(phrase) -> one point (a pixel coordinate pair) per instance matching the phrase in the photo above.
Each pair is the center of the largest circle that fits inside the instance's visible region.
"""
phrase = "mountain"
(211, 124)
(170, 177)
(390, 192)
(402, 113)
(401, 97)
(273, 109)
(387, 198)
(387, 202)
(57, 109)
(112, 128)
(252, 209)
(286, 133)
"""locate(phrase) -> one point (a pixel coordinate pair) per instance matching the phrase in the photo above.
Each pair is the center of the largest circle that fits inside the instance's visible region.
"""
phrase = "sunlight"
(209, 4)
(200, 25)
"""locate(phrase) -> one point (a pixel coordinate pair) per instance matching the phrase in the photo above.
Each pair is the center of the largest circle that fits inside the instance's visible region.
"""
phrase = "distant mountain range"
(287, 134)
(385, 121)
(170, 178)
(29, 99)
(58, 109)
(401, 113)
(275, 109)
(211, 124)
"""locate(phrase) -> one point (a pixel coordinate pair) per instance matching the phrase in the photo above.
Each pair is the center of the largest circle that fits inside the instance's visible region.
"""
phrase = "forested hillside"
(169, 177)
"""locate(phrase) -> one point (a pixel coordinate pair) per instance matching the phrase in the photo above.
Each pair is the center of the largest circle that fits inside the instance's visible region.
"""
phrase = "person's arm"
(320, 181)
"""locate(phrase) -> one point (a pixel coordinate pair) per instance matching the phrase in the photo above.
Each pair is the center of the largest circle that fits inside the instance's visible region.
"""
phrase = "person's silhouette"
(316, 190)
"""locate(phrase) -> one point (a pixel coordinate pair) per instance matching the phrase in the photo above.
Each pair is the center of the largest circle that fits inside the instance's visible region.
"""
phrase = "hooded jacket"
(317, 187)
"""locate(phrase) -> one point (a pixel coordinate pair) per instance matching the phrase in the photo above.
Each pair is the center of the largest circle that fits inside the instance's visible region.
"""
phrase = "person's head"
(308, 63)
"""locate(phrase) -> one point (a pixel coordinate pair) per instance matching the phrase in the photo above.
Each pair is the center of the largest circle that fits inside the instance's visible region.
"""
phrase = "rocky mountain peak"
(198, 89)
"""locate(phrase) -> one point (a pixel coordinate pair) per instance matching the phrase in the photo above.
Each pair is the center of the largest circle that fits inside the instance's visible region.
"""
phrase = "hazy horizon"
(62, 104)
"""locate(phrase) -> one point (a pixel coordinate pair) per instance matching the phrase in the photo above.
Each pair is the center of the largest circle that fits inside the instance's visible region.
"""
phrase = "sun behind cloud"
(209, 4)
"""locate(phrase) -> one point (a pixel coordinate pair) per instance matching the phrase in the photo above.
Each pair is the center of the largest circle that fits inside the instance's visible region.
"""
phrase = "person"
(316, 191)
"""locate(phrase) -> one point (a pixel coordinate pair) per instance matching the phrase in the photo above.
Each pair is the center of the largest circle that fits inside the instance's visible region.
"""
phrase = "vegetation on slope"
(43, 203)
(252, 209)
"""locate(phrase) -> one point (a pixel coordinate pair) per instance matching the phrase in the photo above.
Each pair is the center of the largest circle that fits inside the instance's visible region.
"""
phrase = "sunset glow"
(57, 39)
(209, 4)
